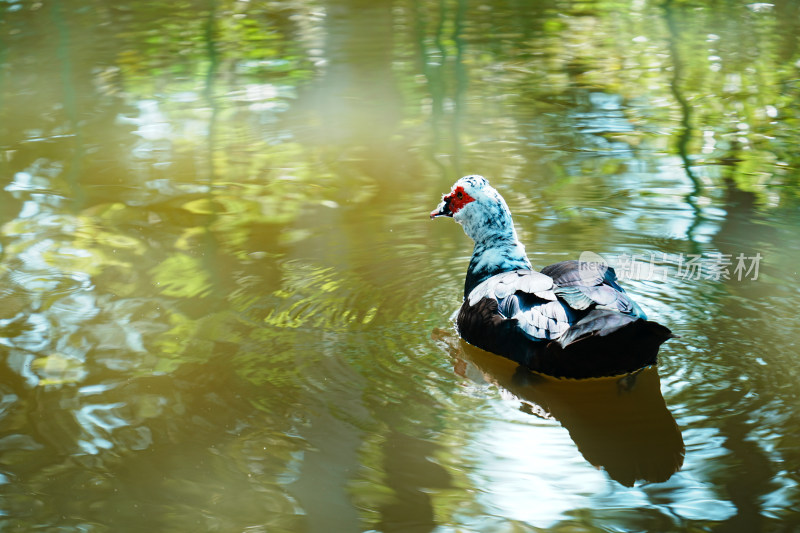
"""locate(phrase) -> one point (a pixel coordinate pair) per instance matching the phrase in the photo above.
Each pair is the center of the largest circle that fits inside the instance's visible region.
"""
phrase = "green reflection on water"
(218, 282)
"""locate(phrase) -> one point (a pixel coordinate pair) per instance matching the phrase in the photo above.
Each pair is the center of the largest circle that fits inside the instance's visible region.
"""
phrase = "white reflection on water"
(534, 473)
(99, 421)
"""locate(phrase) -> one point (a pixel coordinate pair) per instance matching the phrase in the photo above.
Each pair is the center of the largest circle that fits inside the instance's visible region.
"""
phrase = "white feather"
(505, 284)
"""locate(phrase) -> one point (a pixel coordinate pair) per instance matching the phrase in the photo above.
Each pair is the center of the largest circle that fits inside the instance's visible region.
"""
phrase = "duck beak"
(442, 210)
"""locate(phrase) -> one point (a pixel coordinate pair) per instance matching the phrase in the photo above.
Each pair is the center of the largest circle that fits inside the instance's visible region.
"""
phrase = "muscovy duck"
(572, 319)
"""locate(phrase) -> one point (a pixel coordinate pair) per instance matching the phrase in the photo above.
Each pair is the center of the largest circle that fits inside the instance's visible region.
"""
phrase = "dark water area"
(223, 306)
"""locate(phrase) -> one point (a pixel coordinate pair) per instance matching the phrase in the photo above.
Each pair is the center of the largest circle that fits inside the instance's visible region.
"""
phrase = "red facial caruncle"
(458, 199)
(452, 203)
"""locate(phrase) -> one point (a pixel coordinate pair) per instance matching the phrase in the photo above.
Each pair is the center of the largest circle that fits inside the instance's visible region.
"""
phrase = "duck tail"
(608, 343)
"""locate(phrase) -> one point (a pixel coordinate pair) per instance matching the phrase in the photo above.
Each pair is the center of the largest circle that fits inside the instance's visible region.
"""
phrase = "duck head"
(485, 217)
(479, 208)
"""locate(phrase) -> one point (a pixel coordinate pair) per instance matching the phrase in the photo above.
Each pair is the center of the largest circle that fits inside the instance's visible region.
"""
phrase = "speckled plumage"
(571, 319)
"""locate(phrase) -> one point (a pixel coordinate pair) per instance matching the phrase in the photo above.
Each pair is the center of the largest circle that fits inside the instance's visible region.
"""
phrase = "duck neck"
(490, 258)
(497, 248)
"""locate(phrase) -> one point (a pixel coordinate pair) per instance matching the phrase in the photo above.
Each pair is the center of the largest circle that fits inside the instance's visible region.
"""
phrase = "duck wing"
(507, 284)
(526, 299)
(607, 309)
(583, 285)
(565, 296)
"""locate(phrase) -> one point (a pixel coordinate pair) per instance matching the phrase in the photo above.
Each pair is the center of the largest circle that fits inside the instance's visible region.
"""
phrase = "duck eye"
(459, 195)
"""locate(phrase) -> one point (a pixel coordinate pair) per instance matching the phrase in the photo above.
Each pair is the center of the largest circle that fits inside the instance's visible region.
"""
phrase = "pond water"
(223, 306)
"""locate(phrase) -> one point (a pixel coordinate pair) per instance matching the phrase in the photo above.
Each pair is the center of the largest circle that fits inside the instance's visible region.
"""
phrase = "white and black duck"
(572, 319)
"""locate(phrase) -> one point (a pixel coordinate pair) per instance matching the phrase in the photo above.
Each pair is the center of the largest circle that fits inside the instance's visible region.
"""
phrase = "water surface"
(223, 306)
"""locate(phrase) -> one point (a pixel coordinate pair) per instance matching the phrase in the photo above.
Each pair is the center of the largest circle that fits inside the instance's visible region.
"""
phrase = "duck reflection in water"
(620, 424)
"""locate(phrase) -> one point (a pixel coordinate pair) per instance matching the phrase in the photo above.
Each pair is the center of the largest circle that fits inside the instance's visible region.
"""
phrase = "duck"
(572, 319)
